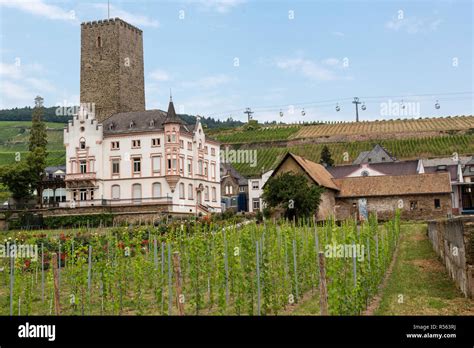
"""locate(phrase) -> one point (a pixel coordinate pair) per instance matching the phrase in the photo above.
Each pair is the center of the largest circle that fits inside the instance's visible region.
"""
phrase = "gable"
(315, 172)
(365, 168)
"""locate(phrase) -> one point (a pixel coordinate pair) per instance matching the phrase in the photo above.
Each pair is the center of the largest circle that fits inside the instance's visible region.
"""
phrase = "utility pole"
(249, 114)
(356, 102)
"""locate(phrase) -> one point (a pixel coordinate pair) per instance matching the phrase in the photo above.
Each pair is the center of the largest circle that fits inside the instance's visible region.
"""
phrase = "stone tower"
(112, 75)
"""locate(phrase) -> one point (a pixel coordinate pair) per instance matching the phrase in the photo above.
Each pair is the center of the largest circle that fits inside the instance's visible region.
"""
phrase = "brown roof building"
(387, 185)
(417, 196)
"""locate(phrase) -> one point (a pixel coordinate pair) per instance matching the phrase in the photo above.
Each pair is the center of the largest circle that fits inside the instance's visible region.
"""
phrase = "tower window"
(99, 41)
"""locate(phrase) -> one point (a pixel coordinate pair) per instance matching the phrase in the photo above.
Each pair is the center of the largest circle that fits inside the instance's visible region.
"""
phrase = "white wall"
(100, 152)
(257, 193)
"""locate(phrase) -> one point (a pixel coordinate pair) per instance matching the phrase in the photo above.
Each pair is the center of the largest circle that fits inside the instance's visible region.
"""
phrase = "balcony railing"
(80, 176)
(117, 202)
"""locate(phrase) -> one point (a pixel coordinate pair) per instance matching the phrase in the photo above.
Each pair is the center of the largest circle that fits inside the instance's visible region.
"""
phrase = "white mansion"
(145, 157)
(120, 154)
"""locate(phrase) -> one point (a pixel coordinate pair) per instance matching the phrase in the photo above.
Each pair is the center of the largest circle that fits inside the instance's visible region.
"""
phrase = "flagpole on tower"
(108, 9)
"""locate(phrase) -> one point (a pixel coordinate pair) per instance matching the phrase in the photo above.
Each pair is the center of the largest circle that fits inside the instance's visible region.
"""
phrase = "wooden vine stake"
(177, 272)
(323, 299)
(57, 305)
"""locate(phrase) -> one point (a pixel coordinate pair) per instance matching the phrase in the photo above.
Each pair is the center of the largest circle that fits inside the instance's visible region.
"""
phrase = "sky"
(281, 58)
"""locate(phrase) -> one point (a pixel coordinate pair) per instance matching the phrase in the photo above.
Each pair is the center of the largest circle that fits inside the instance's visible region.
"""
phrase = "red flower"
(121, 245)
(27, 263)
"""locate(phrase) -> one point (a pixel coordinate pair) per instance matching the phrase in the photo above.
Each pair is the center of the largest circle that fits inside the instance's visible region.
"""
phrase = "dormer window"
(111, 126)
(152, 123)
(132, 124)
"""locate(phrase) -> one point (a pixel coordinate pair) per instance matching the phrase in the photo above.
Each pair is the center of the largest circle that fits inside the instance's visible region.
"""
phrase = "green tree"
(326, 159)
(293, 193)
(38, 141)
(17, 178)
(38, 135)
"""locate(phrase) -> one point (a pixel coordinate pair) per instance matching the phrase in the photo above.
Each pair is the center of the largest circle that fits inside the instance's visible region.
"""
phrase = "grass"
(239, 136)
(421, 281)
(346, 152)
(418, 276)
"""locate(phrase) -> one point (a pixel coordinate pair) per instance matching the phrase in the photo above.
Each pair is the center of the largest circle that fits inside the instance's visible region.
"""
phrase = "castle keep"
(112, 77)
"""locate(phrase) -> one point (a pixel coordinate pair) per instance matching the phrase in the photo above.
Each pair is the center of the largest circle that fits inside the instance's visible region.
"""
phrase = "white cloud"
(221, 6)
(307, 68)
(135, 19)
(159, 75)
(40, 85)
(210, 104)
(332, 61)
(39, 8)
(338, 33)
(9, 70)
(207, 82)
(413, 25)
(21, 83)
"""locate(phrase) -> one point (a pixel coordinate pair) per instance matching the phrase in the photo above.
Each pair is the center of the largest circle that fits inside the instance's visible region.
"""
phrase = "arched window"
(181, 191)
(156, 190)
(99, 41)
(137, 192)
(206, 193)
(213, 194)
(190, 191)
(115, 192)
(82, 143)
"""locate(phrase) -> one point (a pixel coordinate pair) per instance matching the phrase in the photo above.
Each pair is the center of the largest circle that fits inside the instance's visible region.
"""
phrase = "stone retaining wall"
(453, 241)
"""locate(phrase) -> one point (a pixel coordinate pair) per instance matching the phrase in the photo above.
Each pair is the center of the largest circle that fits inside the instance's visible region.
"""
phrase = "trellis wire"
(12, 281)
(162, 276)
(226, 266)
(258, 278)
(89, 275)
(295, 268)
(170, 290)
(42, 272)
